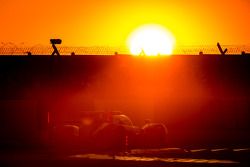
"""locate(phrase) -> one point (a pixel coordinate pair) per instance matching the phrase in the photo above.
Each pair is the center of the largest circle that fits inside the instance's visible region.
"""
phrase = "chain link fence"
(12, 49)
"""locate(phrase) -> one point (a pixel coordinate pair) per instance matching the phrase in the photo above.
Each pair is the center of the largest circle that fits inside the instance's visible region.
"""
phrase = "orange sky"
(109, 22)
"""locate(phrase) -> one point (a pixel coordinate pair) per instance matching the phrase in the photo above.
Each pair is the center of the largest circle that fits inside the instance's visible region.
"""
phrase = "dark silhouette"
(54, 42)
(29, 53)
(220, 49)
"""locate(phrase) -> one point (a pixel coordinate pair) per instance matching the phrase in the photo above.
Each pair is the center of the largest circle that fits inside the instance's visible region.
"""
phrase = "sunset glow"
(151, 40)
(109, 23)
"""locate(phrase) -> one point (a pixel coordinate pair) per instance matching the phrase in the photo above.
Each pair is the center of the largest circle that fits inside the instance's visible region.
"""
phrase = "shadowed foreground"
(204, 101)
(171, 156)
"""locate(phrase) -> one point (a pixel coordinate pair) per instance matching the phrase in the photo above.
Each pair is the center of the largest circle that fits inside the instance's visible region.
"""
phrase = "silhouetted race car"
(110, 131)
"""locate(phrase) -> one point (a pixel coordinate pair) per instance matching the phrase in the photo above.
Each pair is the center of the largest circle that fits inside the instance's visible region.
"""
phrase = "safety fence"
(11, 49)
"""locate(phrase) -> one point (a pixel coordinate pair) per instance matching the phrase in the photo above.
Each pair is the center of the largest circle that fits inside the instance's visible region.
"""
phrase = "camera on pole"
(54, 42)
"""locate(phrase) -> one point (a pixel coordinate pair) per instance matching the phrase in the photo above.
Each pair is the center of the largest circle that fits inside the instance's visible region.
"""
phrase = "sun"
(151, 40)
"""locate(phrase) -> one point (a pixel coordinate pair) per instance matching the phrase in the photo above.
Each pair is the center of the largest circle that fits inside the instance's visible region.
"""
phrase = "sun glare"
(151, 40)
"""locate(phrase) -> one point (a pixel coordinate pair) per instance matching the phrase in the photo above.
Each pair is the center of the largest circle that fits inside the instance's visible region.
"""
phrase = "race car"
(110, 131)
